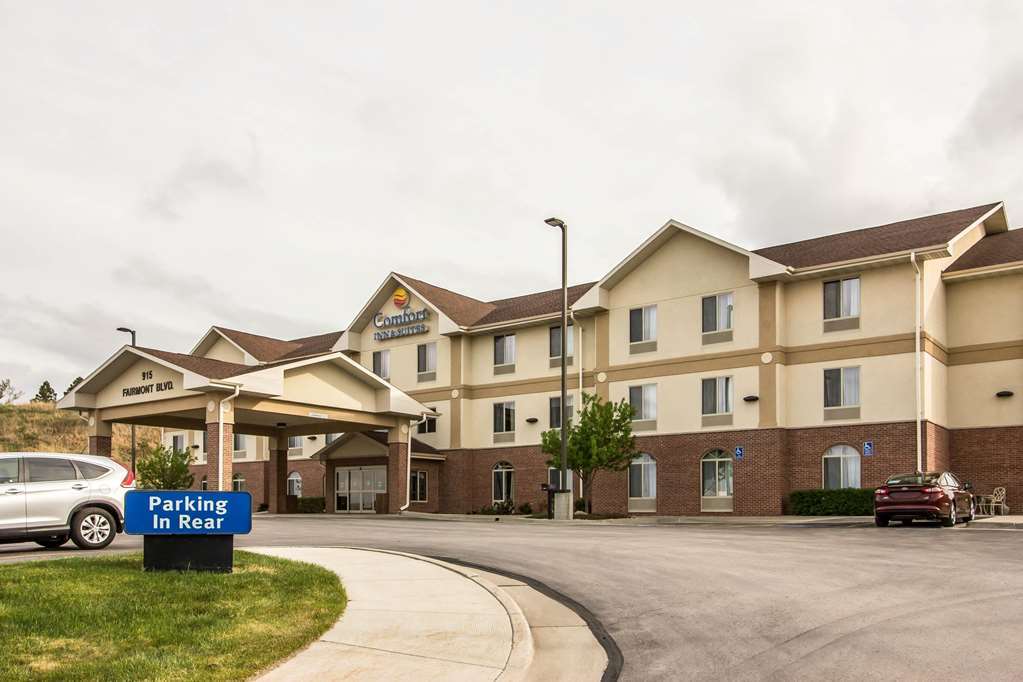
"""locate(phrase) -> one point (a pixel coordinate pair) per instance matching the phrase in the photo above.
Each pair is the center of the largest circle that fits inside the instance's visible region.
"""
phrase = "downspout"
(220, 434)
(917, 366)
(408, 463)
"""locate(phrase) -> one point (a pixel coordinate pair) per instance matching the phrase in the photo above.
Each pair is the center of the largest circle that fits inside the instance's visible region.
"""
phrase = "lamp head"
(125, 330)
(556, 222)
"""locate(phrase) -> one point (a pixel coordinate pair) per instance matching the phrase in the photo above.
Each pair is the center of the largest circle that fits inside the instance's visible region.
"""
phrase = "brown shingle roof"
(417, 445)
(467, 311)
(269, 349)
(874, 241)
(207, 367)
(995, 249)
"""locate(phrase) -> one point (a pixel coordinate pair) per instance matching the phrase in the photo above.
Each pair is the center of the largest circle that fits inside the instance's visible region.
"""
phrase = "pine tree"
(45, 394)
(74, 383)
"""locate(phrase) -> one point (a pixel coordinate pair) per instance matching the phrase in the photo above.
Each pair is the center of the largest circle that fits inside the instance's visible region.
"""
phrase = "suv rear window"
(90, 471)
(913, 479)
(9, 470)
(46, 469)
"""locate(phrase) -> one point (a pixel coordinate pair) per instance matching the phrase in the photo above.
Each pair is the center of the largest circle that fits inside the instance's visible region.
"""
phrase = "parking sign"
(868, 448)
(740, 452)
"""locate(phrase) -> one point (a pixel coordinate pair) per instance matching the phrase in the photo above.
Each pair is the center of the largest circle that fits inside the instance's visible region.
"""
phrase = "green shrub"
(842, 502)
(580, 504)
(501, 508)
(311, 505)
(526, 508)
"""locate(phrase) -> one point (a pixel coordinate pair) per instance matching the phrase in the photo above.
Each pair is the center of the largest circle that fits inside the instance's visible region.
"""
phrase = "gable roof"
(905, 235)
(268, 349)
(463, 310)
(994, 249)
(207, 367)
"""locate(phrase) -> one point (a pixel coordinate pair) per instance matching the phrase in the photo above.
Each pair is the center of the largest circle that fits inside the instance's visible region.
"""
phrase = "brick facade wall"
(989, 458)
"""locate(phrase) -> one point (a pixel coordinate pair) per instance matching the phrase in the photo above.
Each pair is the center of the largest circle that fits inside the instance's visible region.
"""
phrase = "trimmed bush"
(311, 505)
(842, 502)
(526, 508)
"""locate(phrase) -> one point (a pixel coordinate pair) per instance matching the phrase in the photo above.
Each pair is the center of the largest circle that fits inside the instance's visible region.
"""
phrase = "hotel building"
(829, 362)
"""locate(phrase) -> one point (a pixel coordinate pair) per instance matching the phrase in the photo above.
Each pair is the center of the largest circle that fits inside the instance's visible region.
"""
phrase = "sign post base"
(211, 553)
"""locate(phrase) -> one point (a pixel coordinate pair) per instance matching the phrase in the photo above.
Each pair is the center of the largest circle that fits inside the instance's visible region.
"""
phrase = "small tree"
(8, 394)
(602, 440)
(162, 468)
(74, 383)
(45, 394)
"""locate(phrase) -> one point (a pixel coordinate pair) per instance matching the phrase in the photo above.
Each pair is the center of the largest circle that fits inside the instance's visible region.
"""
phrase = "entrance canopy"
(327, 393)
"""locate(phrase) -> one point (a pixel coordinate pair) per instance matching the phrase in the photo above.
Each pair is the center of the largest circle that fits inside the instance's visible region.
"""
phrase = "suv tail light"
(129, 480)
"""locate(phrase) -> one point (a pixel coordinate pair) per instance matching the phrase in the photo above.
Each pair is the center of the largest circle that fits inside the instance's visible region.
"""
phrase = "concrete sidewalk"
(414, 618)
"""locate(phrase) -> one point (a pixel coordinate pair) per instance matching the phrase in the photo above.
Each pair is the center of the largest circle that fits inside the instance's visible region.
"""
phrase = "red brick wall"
(937, 447)
(894, 452)
(433, 486)
(990, 458)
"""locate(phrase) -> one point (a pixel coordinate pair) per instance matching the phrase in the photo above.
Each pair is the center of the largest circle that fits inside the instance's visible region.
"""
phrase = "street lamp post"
(132, 332)
(566, 511)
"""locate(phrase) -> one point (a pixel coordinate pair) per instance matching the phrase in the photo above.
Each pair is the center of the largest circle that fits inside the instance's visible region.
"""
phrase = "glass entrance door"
(356, 488)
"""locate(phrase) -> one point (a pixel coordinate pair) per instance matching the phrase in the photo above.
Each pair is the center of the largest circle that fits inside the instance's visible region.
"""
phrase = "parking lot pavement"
(744, 602)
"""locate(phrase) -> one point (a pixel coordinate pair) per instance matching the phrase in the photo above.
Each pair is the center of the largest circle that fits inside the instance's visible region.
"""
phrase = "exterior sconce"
(195, 447)
(751, 398)
(532, 420)
(312, 437)
(1004, 394)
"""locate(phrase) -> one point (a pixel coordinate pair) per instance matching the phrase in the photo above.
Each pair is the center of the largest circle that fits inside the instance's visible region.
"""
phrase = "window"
(204, 436)
(426, 363)
(382, 363)
(295, 484)
(643, 477)
(504, 482)
(842, 298)
(555, 411)
(9, 470)
(203, 484)
(643, 325)
(644, 402)
(428, 426)
(237, 483)
(417, 486)
(47, 469)
(554, 478)
(89, 471)
(717, 395)
(294, 443)
(504, 350)
(841, 467)
(555, 341)
(842, 387)
(717, 313)
(504, 417)
(178, 442)
(331, 437)
(239, 442)
(717, 474)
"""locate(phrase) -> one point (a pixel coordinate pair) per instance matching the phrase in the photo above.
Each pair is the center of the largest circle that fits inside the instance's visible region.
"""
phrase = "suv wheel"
(93, 528)
(54, 542)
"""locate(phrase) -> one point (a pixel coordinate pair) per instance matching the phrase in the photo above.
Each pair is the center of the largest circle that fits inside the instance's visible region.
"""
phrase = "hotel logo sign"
(406, 323)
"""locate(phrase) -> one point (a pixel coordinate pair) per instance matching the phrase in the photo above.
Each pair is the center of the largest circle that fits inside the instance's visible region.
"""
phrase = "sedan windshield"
(913, 479)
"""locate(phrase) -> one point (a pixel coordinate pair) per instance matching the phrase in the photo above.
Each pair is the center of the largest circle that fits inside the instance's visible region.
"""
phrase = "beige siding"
(972, 389)
(985, 310)
(112, 393)
(327, 384)
(226, 351)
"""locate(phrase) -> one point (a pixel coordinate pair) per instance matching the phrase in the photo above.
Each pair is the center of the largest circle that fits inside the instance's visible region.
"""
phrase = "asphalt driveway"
(739, 602)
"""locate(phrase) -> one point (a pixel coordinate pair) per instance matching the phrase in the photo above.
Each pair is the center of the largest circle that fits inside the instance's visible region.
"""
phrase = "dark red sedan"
(935, 496)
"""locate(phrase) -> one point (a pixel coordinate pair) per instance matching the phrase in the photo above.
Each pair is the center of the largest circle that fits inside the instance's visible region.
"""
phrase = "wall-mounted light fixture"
(195, 447)
(532, 420)
(751, 398)
(312, 437)
(1004, 394)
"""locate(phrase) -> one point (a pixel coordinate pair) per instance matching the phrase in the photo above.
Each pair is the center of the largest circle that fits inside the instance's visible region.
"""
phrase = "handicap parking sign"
(868, 448)
(740, 452)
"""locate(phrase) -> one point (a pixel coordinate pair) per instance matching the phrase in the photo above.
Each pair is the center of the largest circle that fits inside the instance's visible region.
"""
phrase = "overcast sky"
(173, 165)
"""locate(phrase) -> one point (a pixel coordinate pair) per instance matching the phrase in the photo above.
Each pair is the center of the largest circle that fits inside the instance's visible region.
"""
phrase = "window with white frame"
(239, 443)
(504, 350)
(238, 483)
(428, 426)
(204, 437)
(295, 484)
(504, 482)
(554, 478)
(504, 417)
(554, 338)
(643, 324)
(841, 467)
(203, 485)
(382, 363)
(294, 445)
(643, 400)
(842, 387)
(417, 486)
(426, 361)
(331, 437)
(178, 442)
(556, 412)
(842, 298)
(643, 477)
(717, 313)
(716, 474)
(717, 395)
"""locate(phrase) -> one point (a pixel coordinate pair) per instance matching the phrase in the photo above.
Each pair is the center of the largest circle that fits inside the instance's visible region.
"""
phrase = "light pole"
(132, 332)
(563, 487)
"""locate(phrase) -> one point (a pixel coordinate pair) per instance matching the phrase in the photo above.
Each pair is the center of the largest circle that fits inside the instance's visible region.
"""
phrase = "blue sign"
(868, 448)
(740, 452)
(187, 512)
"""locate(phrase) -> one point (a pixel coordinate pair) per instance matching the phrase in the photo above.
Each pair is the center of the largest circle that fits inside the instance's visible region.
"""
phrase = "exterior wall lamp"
(532, 420)
(1004, 394)
(751, 398)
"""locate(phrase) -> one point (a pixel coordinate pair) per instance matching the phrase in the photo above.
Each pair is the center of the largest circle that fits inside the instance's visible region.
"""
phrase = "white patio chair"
(997, 501)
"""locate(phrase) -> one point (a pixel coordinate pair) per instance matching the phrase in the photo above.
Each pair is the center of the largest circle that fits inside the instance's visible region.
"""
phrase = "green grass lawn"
(106, 619)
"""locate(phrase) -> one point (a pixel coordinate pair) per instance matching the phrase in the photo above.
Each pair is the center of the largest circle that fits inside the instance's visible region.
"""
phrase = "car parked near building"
(936, 496)
(53, 498)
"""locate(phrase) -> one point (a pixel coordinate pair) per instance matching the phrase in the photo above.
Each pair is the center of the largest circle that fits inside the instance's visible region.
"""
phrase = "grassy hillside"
(40, 427)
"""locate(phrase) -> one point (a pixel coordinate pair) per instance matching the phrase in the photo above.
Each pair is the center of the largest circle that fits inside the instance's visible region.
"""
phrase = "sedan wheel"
(973, 511)
(93, 528)
(950, 520)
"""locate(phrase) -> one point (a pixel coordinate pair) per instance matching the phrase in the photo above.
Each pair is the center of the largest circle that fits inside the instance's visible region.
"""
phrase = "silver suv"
(51, 498)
